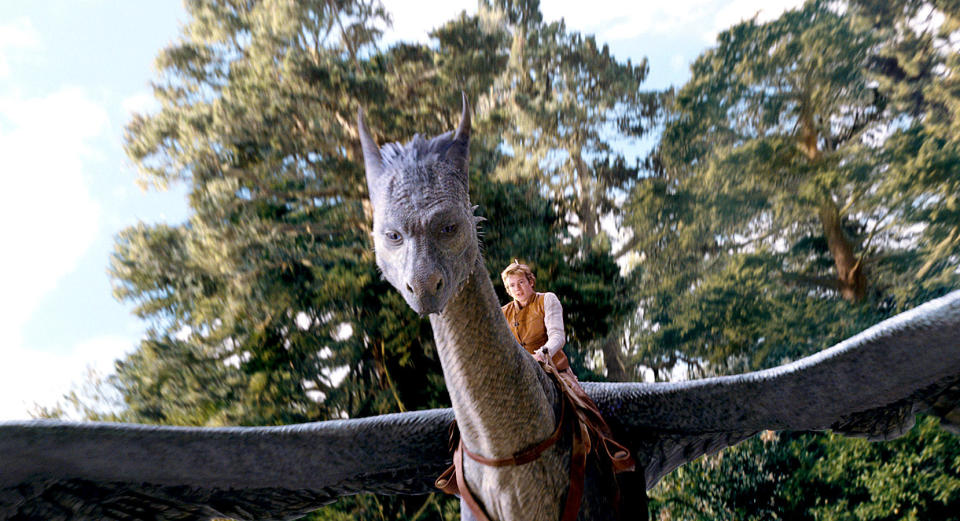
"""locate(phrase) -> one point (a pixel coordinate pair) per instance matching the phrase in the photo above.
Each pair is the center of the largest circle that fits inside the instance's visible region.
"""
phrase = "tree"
(775, 116)
(250, 119)
(780, 190)
(801, 191)
(565, 99)
(807, 476)
(918, 67)
(557, 106)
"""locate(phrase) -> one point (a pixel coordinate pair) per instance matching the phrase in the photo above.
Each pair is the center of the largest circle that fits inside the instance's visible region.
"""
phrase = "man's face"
(520, 288)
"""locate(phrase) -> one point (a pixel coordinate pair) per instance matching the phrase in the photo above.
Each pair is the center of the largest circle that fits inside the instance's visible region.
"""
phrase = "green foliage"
(803, 190)
(788, 185)
(820, 477)
(918, 67)
(740, 320)
(563, 99)
(367, 506)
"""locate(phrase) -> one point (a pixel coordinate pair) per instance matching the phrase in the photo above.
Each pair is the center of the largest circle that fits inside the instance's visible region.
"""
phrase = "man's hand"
(542, 355)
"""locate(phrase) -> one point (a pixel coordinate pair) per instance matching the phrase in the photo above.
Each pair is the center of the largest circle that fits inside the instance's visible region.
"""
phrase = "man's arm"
(553, 321)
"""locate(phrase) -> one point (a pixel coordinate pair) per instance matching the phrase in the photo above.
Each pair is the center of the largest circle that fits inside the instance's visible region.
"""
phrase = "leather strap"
(589, 425)
(578, 466)
(525, 456)
(452, 480)
(465, 494)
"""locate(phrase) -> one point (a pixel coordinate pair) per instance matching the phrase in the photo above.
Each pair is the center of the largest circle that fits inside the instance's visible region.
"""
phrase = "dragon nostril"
(409, 288)
(439, 285)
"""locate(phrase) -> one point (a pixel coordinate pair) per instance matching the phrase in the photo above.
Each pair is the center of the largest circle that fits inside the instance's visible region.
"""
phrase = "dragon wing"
(870, 385)
(57, 470)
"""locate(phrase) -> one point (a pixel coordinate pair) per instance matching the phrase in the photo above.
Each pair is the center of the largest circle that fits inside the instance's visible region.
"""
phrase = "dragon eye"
(448, 229)
(393, 236)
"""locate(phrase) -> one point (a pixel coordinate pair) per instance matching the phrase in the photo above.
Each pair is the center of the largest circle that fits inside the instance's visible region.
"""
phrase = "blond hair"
(516, 268)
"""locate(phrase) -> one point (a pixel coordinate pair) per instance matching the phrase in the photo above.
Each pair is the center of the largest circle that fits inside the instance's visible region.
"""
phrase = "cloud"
(613, 20)
(17, 35)
(609, 20)
(30, 377)
(142, 102)
(412, 21)
(49, 217)
(679, 63)
(740, 10)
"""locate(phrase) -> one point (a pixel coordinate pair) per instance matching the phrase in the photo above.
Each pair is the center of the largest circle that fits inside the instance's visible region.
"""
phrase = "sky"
(72, 72)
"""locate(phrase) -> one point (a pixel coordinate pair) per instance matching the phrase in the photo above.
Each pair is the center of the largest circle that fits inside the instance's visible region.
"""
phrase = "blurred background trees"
(787, 188)
(803, 185)
(803, 188)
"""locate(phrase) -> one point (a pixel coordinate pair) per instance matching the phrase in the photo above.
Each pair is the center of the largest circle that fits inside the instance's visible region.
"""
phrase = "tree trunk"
(850, 278)
(586, 207)
(808, 134)
(612, 358)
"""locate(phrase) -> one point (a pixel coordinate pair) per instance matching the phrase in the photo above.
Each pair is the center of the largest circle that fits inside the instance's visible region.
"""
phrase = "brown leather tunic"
(528, 328)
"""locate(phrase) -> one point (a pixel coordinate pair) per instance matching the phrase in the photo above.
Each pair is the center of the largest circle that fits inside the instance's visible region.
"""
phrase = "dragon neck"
(502, 399)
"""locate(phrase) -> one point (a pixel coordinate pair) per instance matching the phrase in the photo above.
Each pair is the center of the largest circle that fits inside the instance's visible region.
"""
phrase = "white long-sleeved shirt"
(553, 321)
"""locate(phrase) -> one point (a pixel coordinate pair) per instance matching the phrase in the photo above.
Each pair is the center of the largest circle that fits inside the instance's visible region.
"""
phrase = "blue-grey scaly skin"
(870, 386)
(59, 470)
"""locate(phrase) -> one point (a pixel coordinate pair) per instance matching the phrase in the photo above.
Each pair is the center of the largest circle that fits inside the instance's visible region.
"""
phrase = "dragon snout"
(425, 292)
(426, 286)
